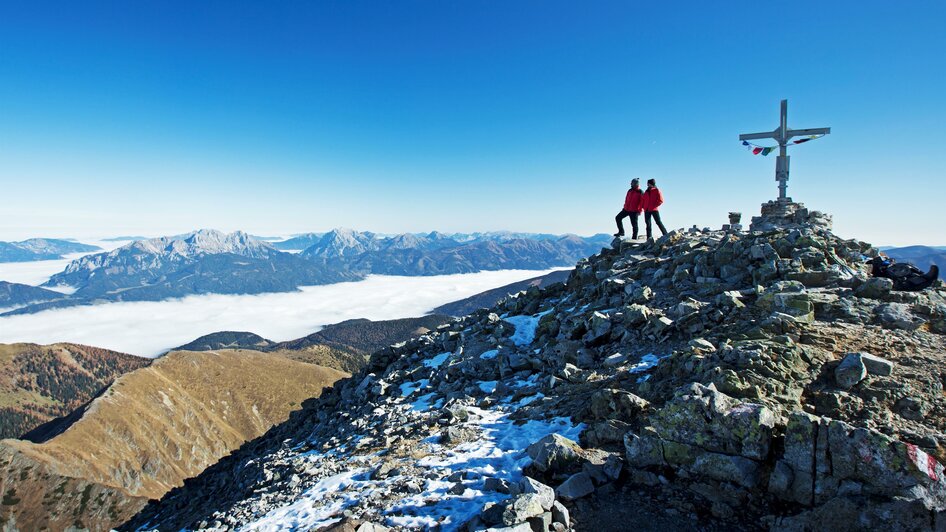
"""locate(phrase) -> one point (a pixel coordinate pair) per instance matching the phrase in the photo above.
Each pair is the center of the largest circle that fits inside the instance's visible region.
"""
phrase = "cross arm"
(806, 132)
(753, 136)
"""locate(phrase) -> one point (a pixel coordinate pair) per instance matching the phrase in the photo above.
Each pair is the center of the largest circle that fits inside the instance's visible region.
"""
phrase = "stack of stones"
(787, 214)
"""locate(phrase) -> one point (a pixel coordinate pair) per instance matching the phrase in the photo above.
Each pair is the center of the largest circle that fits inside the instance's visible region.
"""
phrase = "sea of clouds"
(151, 328)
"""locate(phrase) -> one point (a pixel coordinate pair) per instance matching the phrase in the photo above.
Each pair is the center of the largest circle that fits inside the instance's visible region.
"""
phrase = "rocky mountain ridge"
(14, 295)
(34, 249)
(751, 380)
(438, 254)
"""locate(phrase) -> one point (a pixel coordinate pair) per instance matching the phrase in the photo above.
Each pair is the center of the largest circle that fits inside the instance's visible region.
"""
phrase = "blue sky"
(156, 118)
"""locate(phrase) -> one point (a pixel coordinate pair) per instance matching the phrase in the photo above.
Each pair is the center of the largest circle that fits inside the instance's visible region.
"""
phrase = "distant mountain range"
(206, 261)
(437, 254)
(41, 249)
(921, 256)
(209, 261)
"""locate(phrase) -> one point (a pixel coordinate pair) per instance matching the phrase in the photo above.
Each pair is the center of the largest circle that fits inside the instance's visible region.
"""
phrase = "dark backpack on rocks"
(905, 276)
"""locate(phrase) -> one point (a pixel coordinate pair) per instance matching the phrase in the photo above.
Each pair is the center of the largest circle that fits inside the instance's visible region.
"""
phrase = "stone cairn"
(787, 214)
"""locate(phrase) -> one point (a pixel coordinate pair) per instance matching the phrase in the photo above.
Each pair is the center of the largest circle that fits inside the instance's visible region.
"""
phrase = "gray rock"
(850, 371)
(576, 487)
(553, 453)
(644, 449)
(615, 360)
(876, 365)
(616, 404)
(545, 493)
(499, 485)
(635, 315)
(702, 416)
(875, 288)
(541, 523)
(728, 468)
(521, 508)
(560, 513)
(897, 316)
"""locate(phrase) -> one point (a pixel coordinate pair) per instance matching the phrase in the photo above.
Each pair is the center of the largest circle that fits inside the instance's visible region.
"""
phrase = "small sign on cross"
(782, 135)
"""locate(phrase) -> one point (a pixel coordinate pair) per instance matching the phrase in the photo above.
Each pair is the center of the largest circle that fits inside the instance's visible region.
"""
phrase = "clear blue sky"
(280, 117)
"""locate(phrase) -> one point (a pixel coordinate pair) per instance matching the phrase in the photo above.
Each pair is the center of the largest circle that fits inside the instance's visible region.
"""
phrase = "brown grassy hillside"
(150, 430)
(42, 382)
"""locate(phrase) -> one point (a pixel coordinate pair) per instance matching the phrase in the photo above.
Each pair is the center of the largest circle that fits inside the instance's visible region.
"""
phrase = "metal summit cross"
(782, 135)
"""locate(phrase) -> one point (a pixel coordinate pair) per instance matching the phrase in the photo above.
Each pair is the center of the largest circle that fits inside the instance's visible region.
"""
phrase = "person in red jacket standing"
(633, 205)
(653, 199)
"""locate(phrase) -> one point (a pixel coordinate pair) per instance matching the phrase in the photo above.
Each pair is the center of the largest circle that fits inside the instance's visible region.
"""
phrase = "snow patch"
(305, 513)
(437, 361)
(489, 355)
(408, 388)
(646, 362)
(488, 386)
(525, 327)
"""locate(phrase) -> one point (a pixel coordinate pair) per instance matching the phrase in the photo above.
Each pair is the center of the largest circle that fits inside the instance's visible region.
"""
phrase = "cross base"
(786, 214)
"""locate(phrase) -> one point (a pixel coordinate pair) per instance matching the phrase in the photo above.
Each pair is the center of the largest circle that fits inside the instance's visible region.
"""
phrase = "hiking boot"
(619, 235)
(933, 274)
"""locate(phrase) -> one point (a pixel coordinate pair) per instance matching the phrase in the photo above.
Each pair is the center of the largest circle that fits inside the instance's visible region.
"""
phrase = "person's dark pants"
(656, 217)
(620, 220)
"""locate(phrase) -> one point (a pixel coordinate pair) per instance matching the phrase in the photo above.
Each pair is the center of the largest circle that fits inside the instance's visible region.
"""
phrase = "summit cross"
(782, 135)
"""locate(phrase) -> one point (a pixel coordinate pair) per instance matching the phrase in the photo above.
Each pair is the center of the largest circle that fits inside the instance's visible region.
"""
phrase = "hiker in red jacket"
(653, 199)
(633, 205)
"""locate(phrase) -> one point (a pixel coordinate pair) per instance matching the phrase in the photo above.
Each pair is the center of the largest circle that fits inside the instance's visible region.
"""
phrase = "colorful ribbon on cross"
(765, 150)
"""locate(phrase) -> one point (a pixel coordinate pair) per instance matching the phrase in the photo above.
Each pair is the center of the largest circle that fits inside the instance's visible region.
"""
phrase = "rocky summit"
(706, 380)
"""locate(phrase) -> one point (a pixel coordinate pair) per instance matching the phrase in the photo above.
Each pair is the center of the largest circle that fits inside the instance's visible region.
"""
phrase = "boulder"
(702, 416)
(897, 316)
(576, 487)
(876, 365)
(850, 371)
(728, 468)
(553, 453)
(545, 493)
(875, 288)
(616, 404)
(644, 449)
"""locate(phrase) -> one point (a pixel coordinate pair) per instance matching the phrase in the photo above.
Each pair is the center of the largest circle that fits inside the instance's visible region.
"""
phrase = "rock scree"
(713, 380)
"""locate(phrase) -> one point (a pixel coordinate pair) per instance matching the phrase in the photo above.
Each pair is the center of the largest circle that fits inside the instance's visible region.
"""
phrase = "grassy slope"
(150, 430)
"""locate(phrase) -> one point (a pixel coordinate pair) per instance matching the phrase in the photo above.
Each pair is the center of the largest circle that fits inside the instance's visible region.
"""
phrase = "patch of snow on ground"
(489, 355)
(488, 386)
(499, 452)
(305, 512)
(437, 361)
(408, 388)
(423, 402)
(525, 327)
(646, 362)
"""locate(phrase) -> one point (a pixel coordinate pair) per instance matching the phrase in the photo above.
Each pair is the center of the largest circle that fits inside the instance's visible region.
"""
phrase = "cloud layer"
(150, 328)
